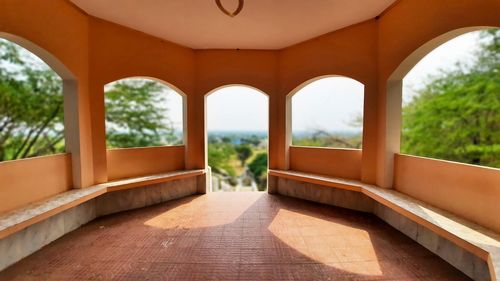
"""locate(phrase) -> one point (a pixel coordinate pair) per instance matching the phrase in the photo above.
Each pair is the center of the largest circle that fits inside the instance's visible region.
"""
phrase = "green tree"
(31, 106)
(456, 116)
(136, 115)
(322, 138)
(258, 168)
(244, 152)
(219, 156)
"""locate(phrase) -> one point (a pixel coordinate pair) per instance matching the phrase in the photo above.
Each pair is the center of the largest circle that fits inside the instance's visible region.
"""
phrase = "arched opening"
(32, 104)
(327, 112)
(451, 101)
(237, 138)
(391, 141)
(143, 112)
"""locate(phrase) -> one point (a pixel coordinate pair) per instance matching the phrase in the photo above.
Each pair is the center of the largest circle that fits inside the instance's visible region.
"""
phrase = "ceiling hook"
(231, 14)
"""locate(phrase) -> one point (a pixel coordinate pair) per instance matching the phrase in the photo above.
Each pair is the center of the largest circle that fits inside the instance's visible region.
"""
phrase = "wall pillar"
(78, 139)
(277, 132)
(98, 119)
(389, 131)
(195, 140)
(369, 153)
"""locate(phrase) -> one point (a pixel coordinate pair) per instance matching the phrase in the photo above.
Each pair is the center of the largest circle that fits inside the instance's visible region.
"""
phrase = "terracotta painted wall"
(61, 30)
(33, 179)
(134, 162)
(342, 163)
(350, 52)
(217, 68)
(118, 52)
(469, 191)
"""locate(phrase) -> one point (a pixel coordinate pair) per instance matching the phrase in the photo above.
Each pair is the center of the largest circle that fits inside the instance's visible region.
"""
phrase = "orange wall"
(33, 179)
(335, 162)
(469, 191)
(411, 23)
(134, 162)
(350, 52)
(118, 52)
(216, 68)
(61, 30)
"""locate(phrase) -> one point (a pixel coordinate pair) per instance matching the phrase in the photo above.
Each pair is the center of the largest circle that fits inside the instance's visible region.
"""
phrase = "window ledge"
(152, 179)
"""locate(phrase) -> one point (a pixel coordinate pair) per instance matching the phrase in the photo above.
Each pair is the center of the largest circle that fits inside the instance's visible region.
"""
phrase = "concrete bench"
(438, 230)
(25, 230)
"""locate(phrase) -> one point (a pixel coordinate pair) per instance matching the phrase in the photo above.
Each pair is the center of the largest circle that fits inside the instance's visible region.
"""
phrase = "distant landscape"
(323, 138)
(238, 160)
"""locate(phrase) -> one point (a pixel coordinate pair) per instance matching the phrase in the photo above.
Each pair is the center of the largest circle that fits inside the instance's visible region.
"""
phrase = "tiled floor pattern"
(234, 236)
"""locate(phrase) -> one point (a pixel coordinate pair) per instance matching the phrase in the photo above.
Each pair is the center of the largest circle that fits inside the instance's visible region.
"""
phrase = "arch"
(70, 97)
(220, 88)
(69, 93)
(254, 90)
(394, 92)
(43, 54)
(314, 79)
(289, 97)
(418, 54)
(235, 85)
(167, 85)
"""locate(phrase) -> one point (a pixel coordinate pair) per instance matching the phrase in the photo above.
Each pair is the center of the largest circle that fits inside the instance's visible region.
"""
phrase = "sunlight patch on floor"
(216, 214)
(329, 242)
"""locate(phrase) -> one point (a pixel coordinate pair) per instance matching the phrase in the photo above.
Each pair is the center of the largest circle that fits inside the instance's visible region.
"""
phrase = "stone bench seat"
(20, 219)
(479, 241)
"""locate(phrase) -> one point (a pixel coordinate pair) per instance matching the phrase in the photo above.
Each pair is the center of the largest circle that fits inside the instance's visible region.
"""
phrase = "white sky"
(174, 105)
(327, 104)
(459, 49)
(237, 108)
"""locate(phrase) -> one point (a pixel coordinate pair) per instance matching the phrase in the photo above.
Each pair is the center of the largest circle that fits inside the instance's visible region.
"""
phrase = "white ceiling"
(262, 24)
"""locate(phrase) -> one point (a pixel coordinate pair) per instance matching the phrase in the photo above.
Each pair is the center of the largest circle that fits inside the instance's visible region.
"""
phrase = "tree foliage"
(219, 156)
(456, 115)
(322, 138)
(136, 115)
(31, 106)
(244, 152)
(258, 168)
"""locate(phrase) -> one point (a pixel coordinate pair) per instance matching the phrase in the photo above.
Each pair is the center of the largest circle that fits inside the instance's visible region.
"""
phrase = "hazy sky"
(237, 108)
(445, 56)
(327, 104)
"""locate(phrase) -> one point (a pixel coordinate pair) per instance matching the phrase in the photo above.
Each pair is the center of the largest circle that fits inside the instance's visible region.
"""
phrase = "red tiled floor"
(234, 236)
